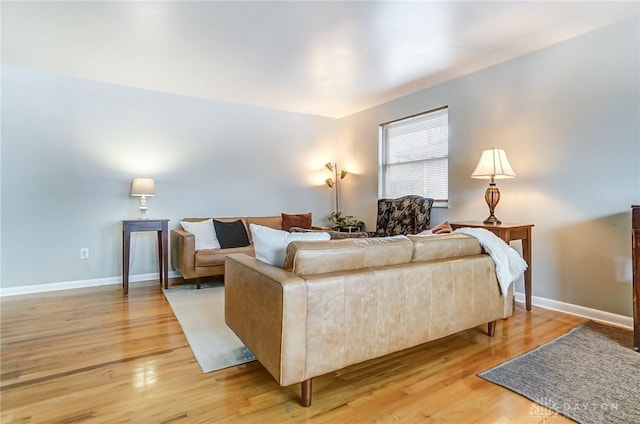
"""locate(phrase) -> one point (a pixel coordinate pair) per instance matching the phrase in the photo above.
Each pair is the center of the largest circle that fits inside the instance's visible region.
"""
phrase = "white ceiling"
(324, 58)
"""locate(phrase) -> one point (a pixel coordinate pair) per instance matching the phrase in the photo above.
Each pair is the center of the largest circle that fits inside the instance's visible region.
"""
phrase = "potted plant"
(345, 223)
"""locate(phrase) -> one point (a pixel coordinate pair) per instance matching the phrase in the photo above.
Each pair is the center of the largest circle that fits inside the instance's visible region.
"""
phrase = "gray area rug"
(591, 375)
(201, 316)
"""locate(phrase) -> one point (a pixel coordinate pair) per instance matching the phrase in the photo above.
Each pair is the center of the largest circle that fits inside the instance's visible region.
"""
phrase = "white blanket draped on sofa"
(509, 264)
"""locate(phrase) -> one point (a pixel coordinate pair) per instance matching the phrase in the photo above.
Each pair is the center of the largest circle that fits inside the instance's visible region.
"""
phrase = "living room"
(73, 138)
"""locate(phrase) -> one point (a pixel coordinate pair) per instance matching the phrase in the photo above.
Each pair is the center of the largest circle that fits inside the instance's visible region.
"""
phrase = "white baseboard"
(78, 284)
(581, 311)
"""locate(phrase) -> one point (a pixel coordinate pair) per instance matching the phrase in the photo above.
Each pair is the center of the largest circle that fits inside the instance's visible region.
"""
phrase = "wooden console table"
(508, 233)
(635, 259)
(161, 226)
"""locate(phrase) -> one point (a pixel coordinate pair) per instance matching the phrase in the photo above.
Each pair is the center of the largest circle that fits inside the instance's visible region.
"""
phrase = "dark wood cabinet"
(635, 255)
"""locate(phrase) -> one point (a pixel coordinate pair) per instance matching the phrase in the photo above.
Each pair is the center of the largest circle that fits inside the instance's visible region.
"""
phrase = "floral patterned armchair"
(405, 215)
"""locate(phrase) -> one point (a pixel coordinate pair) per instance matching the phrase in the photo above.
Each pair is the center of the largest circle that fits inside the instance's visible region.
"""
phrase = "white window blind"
(414, 156)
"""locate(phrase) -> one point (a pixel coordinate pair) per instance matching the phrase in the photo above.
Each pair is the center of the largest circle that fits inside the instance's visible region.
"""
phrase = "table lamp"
(493, 165)
(143, 187)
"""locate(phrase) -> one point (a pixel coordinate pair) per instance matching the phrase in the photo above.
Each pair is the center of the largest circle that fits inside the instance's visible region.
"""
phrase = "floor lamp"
(333, 167)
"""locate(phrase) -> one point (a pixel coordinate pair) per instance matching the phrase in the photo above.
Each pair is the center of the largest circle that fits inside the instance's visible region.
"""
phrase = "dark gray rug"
(591, 375)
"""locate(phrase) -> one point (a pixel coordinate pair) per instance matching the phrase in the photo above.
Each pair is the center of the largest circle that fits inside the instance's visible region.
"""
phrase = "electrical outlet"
(84, 253)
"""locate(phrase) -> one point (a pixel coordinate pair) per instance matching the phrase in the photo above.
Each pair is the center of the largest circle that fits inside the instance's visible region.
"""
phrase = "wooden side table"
(509, 232)
(161, 226)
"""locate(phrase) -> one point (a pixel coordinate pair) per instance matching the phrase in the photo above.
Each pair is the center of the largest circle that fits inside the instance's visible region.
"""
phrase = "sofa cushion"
(204, 233)
(231, 234)
(270, 244)
(344, 255)
(215, 257)
(439, 246)
(301, 220)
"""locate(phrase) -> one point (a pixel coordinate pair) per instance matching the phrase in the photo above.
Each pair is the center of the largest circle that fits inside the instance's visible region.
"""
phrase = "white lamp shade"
(493, 163)
(143, 187)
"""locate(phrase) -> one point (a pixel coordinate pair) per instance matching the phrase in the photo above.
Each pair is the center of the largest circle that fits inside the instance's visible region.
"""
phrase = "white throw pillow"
(270, 245)
(204, 232)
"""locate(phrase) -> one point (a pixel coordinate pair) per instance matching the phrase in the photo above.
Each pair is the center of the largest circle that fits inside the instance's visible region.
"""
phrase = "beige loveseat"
(341, 302)
(205, 263)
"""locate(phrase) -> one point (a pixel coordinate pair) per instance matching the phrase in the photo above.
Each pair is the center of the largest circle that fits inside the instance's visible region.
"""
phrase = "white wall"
(568, 117)
(71, 147)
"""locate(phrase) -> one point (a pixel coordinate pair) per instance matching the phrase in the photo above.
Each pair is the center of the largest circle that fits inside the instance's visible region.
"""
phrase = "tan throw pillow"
(443, 228)
(302, 220)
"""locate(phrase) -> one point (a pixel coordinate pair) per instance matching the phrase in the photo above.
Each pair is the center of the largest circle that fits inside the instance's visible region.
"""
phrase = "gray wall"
(566, 115)
(568, 118)
(71, 147)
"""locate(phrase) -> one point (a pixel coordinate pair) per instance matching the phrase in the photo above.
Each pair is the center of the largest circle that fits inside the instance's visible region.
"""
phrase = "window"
(414, 157)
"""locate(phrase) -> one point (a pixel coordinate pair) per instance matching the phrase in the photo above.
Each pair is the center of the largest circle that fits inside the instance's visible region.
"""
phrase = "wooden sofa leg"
(306, 393)
(491, 328)
(198, 282)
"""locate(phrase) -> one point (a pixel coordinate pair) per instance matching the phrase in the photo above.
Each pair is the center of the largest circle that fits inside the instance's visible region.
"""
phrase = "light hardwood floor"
(93, 355)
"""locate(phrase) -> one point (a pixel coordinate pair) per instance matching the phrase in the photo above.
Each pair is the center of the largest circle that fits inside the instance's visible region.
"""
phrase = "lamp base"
(492, 220)
(492, 197)
(143, 208)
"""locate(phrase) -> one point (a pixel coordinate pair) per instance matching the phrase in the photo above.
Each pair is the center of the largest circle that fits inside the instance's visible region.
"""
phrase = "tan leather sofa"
(192, 264)
(341, 302)
(205, 263)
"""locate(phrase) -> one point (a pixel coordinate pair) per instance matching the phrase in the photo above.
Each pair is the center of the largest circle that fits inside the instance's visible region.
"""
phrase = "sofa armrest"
(266, 307)
(183, 252)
